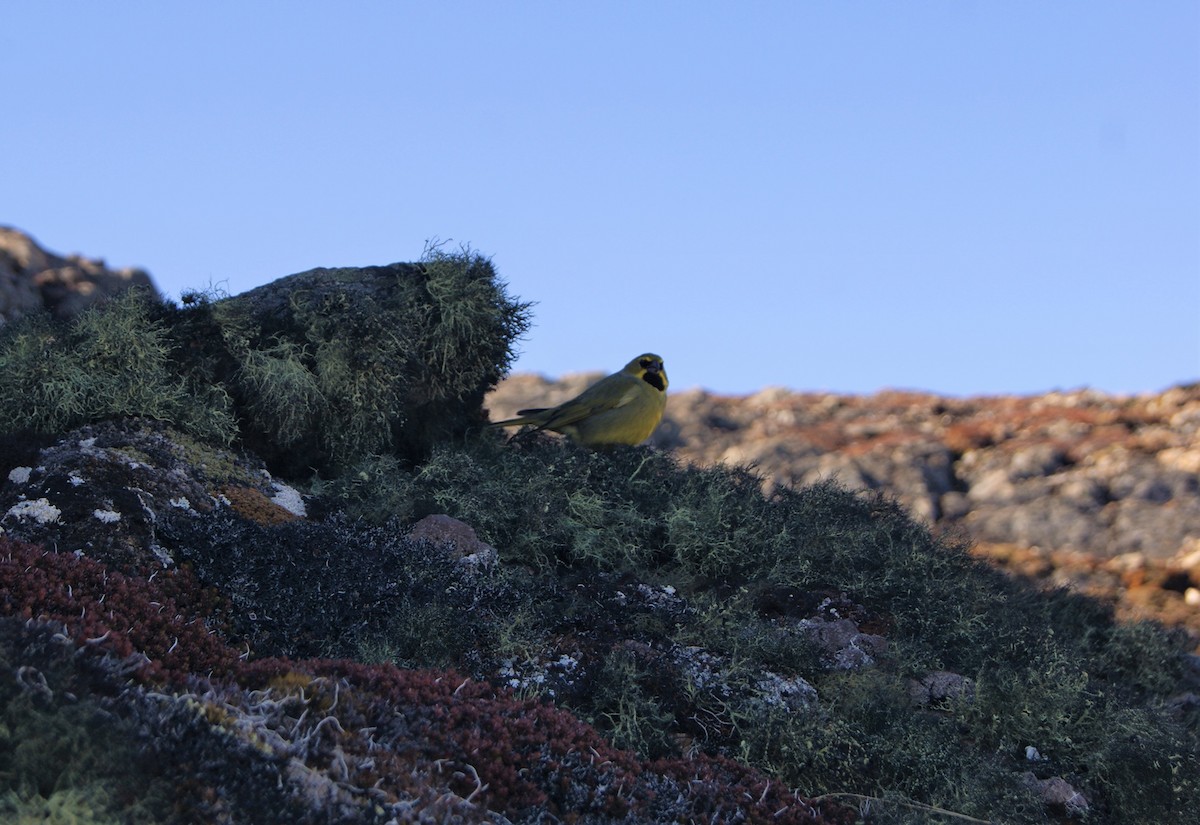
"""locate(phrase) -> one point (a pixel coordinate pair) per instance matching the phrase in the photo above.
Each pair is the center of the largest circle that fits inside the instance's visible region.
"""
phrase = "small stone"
(456, 535)
(846, 646)
(940, 687)
(1058, 795)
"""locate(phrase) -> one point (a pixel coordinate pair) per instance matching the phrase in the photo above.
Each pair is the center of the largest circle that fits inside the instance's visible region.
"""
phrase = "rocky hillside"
(261, 562)
(1098, 491)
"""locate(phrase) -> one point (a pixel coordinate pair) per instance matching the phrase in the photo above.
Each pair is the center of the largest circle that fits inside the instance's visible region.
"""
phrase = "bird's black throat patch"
(655, 380)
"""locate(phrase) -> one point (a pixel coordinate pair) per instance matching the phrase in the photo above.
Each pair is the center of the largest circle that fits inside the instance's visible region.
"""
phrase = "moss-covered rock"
(103, 489)
(312, 371)
(331, 365)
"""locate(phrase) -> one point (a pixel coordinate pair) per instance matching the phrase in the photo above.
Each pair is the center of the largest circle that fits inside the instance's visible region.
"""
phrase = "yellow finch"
(623, 408)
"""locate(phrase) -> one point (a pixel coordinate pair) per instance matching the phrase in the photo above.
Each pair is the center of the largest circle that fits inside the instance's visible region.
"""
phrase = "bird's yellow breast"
(630, 423)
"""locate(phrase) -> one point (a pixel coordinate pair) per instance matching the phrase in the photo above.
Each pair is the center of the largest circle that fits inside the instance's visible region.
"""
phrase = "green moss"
(421, 634)
(469, 324)
(113, 360)
(865, 739)
(283, 395)
(1141, 656)
(730, 624)
(1079, 724)
(627, 706)
(218, 465)
(73, 806)
(1053, 670)
(374, 488)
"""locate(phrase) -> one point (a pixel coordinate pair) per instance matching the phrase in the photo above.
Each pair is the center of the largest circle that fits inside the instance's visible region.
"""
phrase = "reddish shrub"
(532, 755)
(162, 617)
(384, 727)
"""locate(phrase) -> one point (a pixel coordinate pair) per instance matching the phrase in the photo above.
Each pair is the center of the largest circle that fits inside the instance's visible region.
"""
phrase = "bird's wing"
(595, 399)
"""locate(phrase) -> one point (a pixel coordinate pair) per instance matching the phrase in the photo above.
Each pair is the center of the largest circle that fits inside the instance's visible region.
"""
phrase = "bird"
(622, 408)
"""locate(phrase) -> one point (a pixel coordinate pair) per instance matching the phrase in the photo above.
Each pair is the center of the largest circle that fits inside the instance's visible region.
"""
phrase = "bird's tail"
(523, 417)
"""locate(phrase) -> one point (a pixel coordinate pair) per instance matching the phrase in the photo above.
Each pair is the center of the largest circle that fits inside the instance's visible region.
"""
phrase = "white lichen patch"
(660, 597)
(163, 555)
(19, 475)
(75, 480)
(786, 691)
(289, 499)
(518, 681)
(181, 503)
(481, 561)
(40, 510)
(704, 670)
(566, 663)
(107, 516)
(539, 676)
(664, 597)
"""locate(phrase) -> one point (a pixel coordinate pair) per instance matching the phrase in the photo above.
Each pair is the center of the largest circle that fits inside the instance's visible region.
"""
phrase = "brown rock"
(1058, 795)
(844, 645)
(32, 279)
(457, 536)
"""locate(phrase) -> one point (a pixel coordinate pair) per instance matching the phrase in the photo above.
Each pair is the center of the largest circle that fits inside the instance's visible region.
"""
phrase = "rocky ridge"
(1080, 488)
(33, 279)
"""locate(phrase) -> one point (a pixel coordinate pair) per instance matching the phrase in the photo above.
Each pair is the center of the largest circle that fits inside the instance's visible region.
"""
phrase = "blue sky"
(954, 196)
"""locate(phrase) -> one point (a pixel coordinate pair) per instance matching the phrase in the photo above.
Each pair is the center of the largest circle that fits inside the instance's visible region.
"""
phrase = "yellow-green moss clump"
(113, 360)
